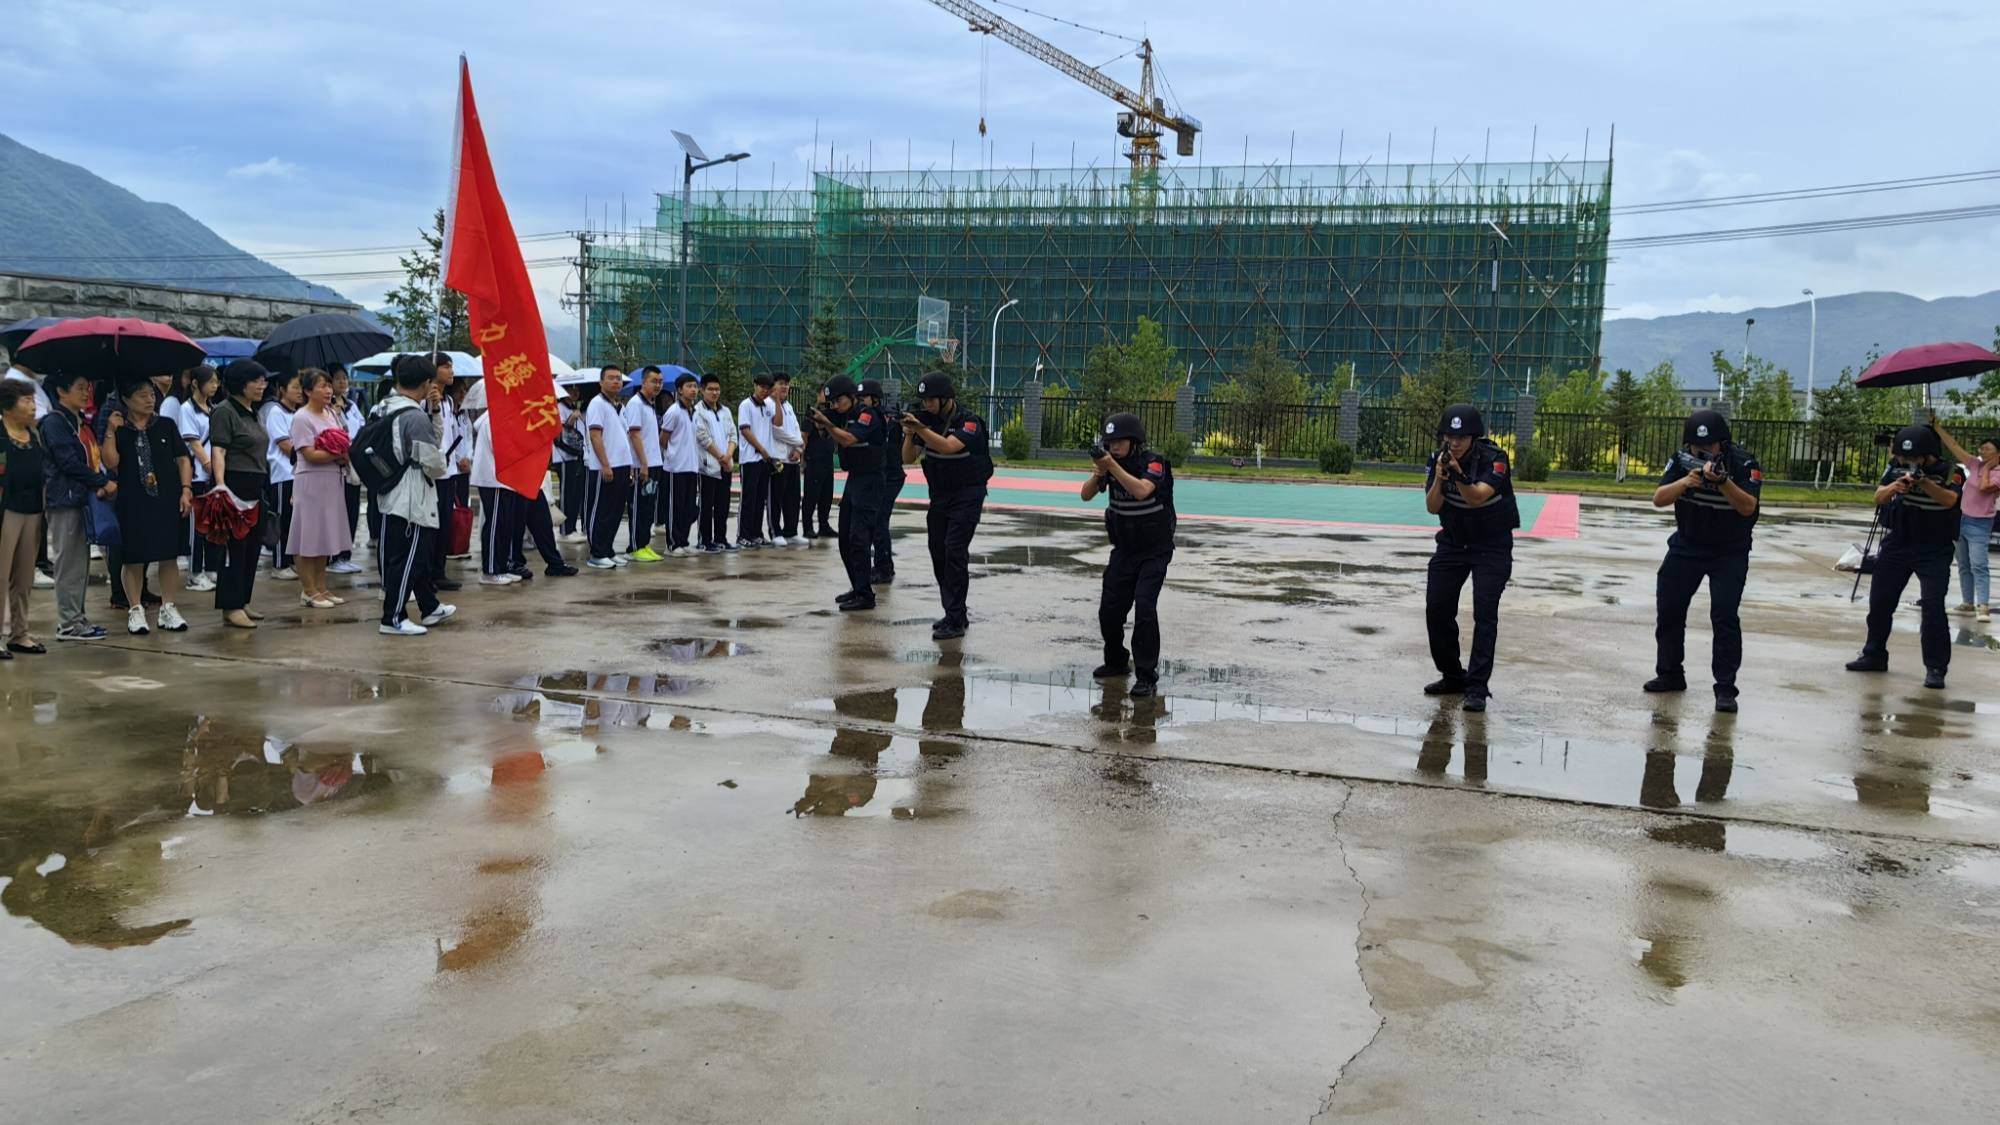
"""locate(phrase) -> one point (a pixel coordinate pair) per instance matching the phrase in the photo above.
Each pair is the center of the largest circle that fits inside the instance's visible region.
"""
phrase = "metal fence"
(1404, 436)
(1818, 451)
(1226, 429)
(1071, 423)
(998, 410)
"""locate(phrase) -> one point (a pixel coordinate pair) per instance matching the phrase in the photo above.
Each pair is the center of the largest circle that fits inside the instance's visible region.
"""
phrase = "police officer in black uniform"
(958, 461)
(861, 435)
(1919, 497)
(1140, 522)
(1468, 489)
(882, 570)
(1714, 486)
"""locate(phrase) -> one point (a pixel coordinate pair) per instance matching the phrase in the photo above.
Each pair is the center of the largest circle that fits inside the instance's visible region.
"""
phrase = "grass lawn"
(1838, 495)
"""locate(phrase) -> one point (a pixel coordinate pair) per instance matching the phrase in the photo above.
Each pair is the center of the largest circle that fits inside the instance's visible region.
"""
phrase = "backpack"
(373, 454)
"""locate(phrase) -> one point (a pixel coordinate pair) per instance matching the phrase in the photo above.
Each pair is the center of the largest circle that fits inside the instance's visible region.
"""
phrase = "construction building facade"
(1375, 266)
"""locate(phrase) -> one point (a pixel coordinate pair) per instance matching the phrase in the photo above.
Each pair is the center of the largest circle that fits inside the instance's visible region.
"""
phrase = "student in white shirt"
(499, 533)
(455, 487)
(204, 558)
(567, 455)
(682, 455)
(787, 461)
(281, 401)
(351, 420)
(753, 422)
(642, 425)
(715, 432)
(607, 454)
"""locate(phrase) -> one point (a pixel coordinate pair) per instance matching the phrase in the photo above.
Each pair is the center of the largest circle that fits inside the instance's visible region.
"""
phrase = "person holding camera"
(861, 435)
(1139, 518)
(958, 461)
(1918, 501)
(1467, 487)
(1714, 486)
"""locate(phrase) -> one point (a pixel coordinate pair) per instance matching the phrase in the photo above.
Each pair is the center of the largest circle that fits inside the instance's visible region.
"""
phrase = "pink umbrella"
(1928, 363)
(115, 348)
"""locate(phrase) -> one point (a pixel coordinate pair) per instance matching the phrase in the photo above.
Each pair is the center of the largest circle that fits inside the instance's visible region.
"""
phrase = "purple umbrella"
(1928, 363)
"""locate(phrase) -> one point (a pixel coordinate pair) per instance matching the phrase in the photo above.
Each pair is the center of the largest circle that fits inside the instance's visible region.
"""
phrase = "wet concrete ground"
(681, 843)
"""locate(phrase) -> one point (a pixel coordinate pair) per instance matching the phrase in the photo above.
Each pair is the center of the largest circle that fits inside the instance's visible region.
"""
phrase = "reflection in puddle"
(686, 650)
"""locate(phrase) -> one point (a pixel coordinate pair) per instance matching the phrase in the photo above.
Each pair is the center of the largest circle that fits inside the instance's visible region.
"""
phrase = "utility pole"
(1812, 347)
(1493, 317)
(583, 240)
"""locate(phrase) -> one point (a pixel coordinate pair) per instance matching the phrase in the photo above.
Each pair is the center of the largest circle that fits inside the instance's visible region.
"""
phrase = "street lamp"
(993, 354)
(1812, 346)
(1747, 322)
(692, 160)
(1493, 328)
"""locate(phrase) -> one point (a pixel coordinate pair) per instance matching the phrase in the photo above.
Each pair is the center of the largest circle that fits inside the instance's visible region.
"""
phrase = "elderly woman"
(155, 489)
(238, 451)
(319, 501)
(22, 474)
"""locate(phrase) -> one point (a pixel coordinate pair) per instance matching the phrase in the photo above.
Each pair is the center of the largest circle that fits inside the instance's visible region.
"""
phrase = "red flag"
(482, 260)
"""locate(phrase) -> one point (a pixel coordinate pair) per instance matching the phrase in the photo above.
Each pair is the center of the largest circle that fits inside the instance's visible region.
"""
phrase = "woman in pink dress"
(319, 498)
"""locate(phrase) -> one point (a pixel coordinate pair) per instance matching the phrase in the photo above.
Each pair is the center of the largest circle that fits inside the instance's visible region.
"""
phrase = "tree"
(825, 354)
(421, 314)
(1983, 394)
(1119, 374)
(1262, 392)
(1661, 392)
(1757, 389)
(1580, 392)
(1444, 380)
(729, 358)
(1624, 408)
(622, 337)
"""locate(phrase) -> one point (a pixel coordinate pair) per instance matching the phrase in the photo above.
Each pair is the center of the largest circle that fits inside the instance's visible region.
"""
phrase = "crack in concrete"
(1360, 933)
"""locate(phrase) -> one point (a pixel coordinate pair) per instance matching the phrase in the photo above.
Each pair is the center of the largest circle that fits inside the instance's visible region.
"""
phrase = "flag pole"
(450, 202)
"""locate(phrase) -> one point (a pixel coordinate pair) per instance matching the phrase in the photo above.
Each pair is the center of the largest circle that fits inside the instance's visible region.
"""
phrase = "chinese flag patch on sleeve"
(1756, 474)
(1500, 468)
(866, 417)
(970, 427)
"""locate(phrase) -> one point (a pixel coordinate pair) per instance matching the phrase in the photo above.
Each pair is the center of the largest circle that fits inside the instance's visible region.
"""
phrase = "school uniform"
(605, 500)
(499, 530)
(642, 419)
(351, 421)
(452, 488)
(681, 456)
(786, 444)
(715, 431)
(203, 557)
(755, 418)
(569, 468)
(278, 491)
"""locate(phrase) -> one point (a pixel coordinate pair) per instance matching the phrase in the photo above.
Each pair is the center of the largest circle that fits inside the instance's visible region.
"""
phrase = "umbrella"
(227, 347)
(320, 340)
(12, 335)
(115, 348)
(668, 373)
(1928, 363)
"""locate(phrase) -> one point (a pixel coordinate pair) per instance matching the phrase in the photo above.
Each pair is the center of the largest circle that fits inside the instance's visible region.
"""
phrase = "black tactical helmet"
(1704, 426)
(871, 388)
(1461, 420)
(1916, 441)
(840, 386)
(1125, 426)
(937, 384)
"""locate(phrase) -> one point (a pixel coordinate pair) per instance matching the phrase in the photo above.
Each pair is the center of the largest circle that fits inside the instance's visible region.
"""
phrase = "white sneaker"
(601, 564)
(621, 560)
(171, 619)
(286, 574)
(443, 611)
(135, 621)
(408, 628)
(344, 566)
(201, 584)
(801, 541)
(496, 580)
(96, 552)
(44, 582)
(575, 537)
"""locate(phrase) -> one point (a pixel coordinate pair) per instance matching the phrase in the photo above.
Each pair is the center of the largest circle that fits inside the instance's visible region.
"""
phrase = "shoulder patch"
(1500, 466)
(1756, 474)
(971, 426)
(866, 417)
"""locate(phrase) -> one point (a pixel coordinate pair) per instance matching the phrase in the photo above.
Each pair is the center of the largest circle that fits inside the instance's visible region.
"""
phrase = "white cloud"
(271, 167)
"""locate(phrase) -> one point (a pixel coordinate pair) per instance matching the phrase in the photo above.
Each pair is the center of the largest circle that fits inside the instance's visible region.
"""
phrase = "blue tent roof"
(228, 347)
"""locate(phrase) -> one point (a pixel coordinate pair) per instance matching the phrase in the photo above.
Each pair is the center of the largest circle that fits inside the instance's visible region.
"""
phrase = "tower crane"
(1145, 115)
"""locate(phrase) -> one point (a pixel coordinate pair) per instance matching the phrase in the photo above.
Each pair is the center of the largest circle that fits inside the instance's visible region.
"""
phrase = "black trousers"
(885, 557)
(952, 519)
(570, 476)
(683, 506)
(499, 532)
(236, 574)
(818, 501)
(860, 514)
(784, 502)
(1132, 581)
(756, 491)
(439, 544)
(645, 504)
(1680, 575)
(605, 504)
(715, 510)
(405, 554)
(531, 513)
(353, 492)
(1490, 566)
(278, 497)
(1930, 564)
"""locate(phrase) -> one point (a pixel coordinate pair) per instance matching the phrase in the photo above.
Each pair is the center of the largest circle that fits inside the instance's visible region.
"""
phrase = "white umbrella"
(464, 365)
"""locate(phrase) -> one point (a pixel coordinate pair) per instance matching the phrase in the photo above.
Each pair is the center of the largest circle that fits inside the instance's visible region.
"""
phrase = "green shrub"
(1218, 444)
(1336, 458)
(1014, 440)
(1177, 447)
(1532, 465)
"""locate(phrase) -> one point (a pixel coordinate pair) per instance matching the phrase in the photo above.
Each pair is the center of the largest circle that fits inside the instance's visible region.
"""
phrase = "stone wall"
(196, 312)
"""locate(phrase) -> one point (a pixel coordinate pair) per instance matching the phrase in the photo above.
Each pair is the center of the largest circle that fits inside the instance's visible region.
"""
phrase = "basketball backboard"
(933, 321)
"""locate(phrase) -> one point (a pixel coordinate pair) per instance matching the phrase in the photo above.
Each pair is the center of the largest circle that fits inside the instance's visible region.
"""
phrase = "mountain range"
(58, 218)
(1850, 326)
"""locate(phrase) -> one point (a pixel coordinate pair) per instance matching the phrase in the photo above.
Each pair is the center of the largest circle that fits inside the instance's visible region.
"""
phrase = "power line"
(1821, 226)
(286, 254)
(348, 275)
(1829, 192)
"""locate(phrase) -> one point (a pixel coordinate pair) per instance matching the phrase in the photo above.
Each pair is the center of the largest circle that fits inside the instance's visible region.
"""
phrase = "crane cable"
(985, 53)
(1059, 19)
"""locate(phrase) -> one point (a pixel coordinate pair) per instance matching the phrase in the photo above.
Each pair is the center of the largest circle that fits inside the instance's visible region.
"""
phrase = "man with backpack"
(402, 436)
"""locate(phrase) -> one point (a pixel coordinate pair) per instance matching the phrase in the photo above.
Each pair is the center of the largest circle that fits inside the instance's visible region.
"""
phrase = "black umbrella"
(12, 335)
(321, 340)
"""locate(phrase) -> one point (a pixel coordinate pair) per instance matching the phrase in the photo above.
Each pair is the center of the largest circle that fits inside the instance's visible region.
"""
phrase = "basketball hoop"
(947, 348)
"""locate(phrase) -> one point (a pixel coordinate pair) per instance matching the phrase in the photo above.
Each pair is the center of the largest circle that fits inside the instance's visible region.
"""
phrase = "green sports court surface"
(1543, 515)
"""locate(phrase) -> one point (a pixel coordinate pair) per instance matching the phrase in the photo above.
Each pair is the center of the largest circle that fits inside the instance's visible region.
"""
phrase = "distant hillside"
(1849, 325)
(55, 217)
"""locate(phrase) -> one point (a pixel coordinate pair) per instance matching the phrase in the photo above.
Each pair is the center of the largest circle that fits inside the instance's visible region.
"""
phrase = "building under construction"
(1375, 266)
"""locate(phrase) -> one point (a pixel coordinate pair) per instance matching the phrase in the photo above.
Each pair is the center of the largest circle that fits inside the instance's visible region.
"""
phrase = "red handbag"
(460, 531)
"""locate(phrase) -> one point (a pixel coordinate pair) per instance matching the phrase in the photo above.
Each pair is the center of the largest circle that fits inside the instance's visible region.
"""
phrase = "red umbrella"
(114, 348)
(1928, 363)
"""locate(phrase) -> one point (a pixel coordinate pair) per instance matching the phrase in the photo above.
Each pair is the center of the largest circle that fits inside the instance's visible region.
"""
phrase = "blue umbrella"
(668, 371)
(228, 347)
(12, 335)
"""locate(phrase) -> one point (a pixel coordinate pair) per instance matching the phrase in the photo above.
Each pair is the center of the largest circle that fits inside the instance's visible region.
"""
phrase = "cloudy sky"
(329, 128)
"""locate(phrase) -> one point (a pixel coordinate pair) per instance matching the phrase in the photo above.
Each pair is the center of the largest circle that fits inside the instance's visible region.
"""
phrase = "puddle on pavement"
(655, 595)
(686, 650)
(585, 701)
(746, 622)
(1060, 558)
